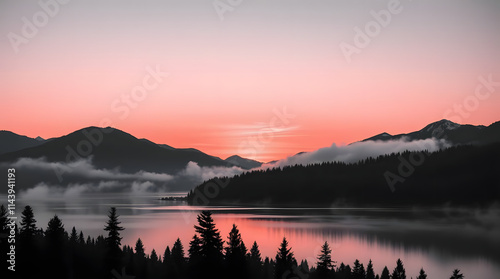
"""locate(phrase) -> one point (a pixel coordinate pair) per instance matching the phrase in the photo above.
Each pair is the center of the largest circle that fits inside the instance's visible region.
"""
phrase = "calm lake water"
(437, 240)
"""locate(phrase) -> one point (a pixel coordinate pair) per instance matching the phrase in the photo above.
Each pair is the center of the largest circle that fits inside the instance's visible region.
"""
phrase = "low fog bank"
(360, 150)
(39, 179)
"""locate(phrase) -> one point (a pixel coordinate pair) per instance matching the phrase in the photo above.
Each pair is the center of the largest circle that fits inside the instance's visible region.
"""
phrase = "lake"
(439, 240)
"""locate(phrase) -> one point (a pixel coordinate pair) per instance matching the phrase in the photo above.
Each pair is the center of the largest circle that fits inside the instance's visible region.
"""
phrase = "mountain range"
(452, 132)
(110, 148)
(131, 154)
(10, 142)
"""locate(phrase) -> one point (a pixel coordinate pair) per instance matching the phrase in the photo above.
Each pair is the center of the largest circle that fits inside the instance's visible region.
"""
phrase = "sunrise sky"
(262, 79)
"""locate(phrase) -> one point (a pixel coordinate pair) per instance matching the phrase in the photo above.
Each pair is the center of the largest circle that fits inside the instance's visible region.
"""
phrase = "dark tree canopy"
(28, 224)
(211, 241)
(139, 248)
(325, 263)
(235, 254)
(370, 273)
(457, 275)
(358, 270)
(113, 228)
(399, 271)
(421, 274)
(385, 273)
(284, 260)
(255, 255)
(55, 230)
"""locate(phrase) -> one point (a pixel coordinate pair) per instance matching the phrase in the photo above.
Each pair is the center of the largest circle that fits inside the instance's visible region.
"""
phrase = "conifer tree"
(456, 274)
(370, 273)
(139, 249)
(236, 254)
(211, 244)
(154, 256)
(28, 228)
(284, 260)
(113, 228)
(325, 263)
(113, 242)
(399, 271)
(195, 256)
(358, 270)
(385, 273)
(422, 274)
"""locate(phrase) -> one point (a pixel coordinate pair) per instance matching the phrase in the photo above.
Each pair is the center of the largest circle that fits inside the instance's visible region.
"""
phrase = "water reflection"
(436, 239)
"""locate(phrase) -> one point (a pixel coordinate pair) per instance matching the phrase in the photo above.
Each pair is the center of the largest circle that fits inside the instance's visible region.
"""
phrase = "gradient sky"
(228, 77)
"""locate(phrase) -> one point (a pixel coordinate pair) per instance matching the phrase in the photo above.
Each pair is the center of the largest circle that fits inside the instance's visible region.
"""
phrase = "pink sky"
(228, 77)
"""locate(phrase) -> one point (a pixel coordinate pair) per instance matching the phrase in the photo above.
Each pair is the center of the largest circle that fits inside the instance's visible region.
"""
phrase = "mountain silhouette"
(111, 148)
(10, 142)
(450, 131)
(243, 162)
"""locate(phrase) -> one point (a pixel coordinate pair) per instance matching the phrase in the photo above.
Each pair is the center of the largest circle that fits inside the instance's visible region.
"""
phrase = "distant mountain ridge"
(130, 154)
(10, 142)
(243, 162)
(450, 131)
(111, 148)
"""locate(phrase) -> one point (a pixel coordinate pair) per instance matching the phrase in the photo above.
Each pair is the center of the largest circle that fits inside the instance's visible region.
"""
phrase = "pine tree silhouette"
(139, 249)
(370, 273)
(211, 244)
(178, 259)
(399, 271)
(343, 271)
(385, 273)
(457, 275)
(29, 245)
(422, 274)
(195, 257)
(284, 261)
(235, 255)
(358, 270)
(56, 240)
(28, 228)
(255, 261)
(325, 263)
(113, 242)
(154, 256)
(73, 237)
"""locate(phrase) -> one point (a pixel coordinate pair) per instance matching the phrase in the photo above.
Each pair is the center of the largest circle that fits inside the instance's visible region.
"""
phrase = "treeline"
(463, 175)
(56, 253)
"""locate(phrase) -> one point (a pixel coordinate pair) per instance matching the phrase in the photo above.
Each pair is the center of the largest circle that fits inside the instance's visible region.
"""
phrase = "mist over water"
(438, 240)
